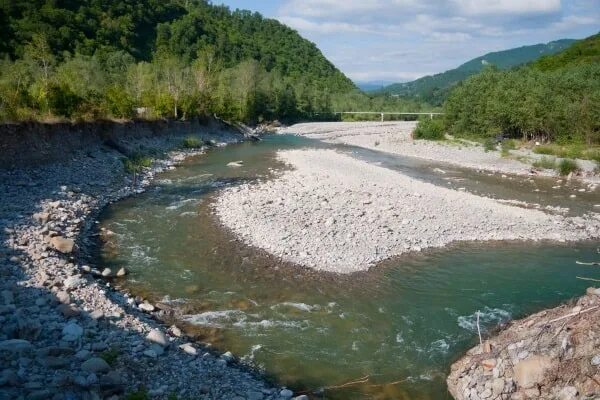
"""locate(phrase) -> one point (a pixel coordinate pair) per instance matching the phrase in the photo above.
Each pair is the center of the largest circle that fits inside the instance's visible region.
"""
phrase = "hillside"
(586, 51)
(102, 58)
(434, 88)
(555, 99)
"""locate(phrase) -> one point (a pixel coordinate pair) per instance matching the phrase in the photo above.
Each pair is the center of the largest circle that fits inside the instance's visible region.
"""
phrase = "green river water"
(401, 324)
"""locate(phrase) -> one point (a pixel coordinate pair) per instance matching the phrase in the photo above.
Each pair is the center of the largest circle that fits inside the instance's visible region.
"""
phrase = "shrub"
(62, 101)
(548, 150)
(430, 129)
(192, 143)
(566, 166)
(110, 355)
(136, 163)
(545, 162)
(119, 103)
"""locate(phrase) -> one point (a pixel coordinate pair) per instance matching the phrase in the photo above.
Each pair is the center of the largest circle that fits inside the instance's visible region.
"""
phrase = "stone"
(15, 345)
(488, 364)
(175, 331)
(253, 395)
(530, 372)
(286, 393)
(41, 217)
(158, 349)
(62, 244)
(63, 297)
(121, 272)
(72, 331)
(68, 311)
(106, 272)
(188, 348)
(567, 393)
(146, 307)
(83, 354)
(95, 365)
(73, 282)
(301, 397)
(158, 337)
(150, 353)
(593, 291)
(96, 314)
(497, 387)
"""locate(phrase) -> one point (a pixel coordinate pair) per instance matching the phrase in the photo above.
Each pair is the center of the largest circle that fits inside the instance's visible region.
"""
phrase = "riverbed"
(389, 332)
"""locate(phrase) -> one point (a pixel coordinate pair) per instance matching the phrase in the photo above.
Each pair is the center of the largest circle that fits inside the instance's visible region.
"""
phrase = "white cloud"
(479, 7)
(306, 25)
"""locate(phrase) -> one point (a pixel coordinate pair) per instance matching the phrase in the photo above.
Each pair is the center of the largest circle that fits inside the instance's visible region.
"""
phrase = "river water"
(395, 329)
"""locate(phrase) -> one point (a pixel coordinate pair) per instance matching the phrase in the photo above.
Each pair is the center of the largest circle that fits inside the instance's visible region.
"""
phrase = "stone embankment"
(65, 333)
(335, 213)
(554, 354)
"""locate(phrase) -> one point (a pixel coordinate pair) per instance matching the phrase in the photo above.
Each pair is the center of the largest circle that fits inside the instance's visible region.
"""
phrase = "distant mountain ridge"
(434, 88)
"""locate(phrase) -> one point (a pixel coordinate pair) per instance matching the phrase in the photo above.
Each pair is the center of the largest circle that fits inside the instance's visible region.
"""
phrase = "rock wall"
(35, 143)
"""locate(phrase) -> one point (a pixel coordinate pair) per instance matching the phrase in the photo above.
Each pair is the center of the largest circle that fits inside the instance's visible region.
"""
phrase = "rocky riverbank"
(335, 213)
(554, 354)
(65, 333)
(395, 137)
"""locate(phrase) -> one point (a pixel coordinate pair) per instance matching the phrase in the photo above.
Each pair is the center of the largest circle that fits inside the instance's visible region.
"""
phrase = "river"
(389, 333)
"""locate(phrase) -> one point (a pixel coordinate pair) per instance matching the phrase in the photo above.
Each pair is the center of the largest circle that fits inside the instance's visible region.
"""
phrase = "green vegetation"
(434, 89)
(137, 162)
(192, 143)
(559, 105)
(163, 59)
(545, 163)
(506, 146)
(576, 150)
(141, 394)
(566, 166)
(585, 51)
(430, 128)
(110, 356)
(489, 144)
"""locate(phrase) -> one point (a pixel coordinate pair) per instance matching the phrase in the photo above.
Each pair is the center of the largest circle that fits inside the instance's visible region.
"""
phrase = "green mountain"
(586, 51)
(556, 98)
(434, 88)
(186, 27)
(95, 59)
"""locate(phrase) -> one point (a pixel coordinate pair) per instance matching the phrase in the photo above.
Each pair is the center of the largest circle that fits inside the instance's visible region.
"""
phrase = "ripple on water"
(487, 317)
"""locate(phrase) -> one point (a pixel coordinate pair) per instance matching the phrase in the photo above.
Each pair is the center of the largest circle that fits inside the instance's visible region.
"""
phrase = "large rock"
(158, 337)
(95, 364)
(531, 371)
(72, 331)
(62, 244)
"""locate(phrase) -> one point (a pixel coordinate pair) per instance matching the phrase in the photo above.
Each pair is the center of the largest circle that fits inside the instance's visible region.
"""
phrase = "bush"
(430, 129)
(62, 101)
(136, 163)
(191, 143)
(566, 166)
(119, 103)
(545, 162)
(110, 356)
(506, 146)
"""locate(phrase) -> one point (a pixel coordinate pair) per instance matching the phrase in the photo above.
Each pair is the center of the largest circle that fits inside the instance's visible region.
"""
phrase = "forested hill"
(434, 89)
(171, 56)
(556, 99)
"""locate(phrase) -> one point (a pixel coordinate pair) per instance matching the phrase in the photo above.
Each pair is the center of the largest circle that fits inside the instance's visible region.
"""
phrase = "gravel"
(395, 137)
(335, 213)
(65, 332)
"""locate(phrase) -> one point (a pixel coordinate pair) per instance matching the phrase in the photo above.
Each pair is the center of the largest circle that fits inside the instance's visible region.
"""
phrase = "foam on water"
(488, 317)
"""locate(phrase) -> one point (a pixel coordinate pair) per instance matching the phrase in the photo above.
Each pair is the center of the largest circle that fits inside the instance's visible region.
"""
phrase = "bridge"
(383, 113)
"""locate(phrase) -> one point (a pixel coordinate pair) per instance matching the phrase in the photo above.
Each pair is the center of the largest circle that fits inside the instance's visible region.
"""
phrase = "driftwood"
(587, 279)
(573, 314)
(587, 263)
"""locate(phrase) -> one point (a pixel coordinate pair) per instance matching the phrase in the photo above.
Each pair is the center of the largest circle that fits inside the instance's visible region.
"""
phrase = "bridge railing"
(383, 113)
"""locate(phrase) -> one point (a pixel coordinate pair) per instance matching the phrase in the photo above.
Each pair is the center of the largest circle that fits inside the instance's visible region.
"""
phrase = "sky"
(401, 40)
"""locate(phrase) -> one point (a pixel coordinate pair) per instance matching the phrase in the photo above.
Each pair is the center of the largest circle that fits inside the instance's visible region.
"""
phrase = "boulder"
(121, 272)
(72, 331)
(146, 307)
(106, 272)
(41, 217)
(95, 364)
(531, 371)
(158, 337)
(63, 296)
(15, 345)
(62, 244)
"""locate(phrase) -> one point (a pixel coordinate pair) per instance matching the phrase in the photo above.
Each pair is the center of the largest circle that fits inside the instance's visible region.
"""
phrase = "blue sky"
(401, 40)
